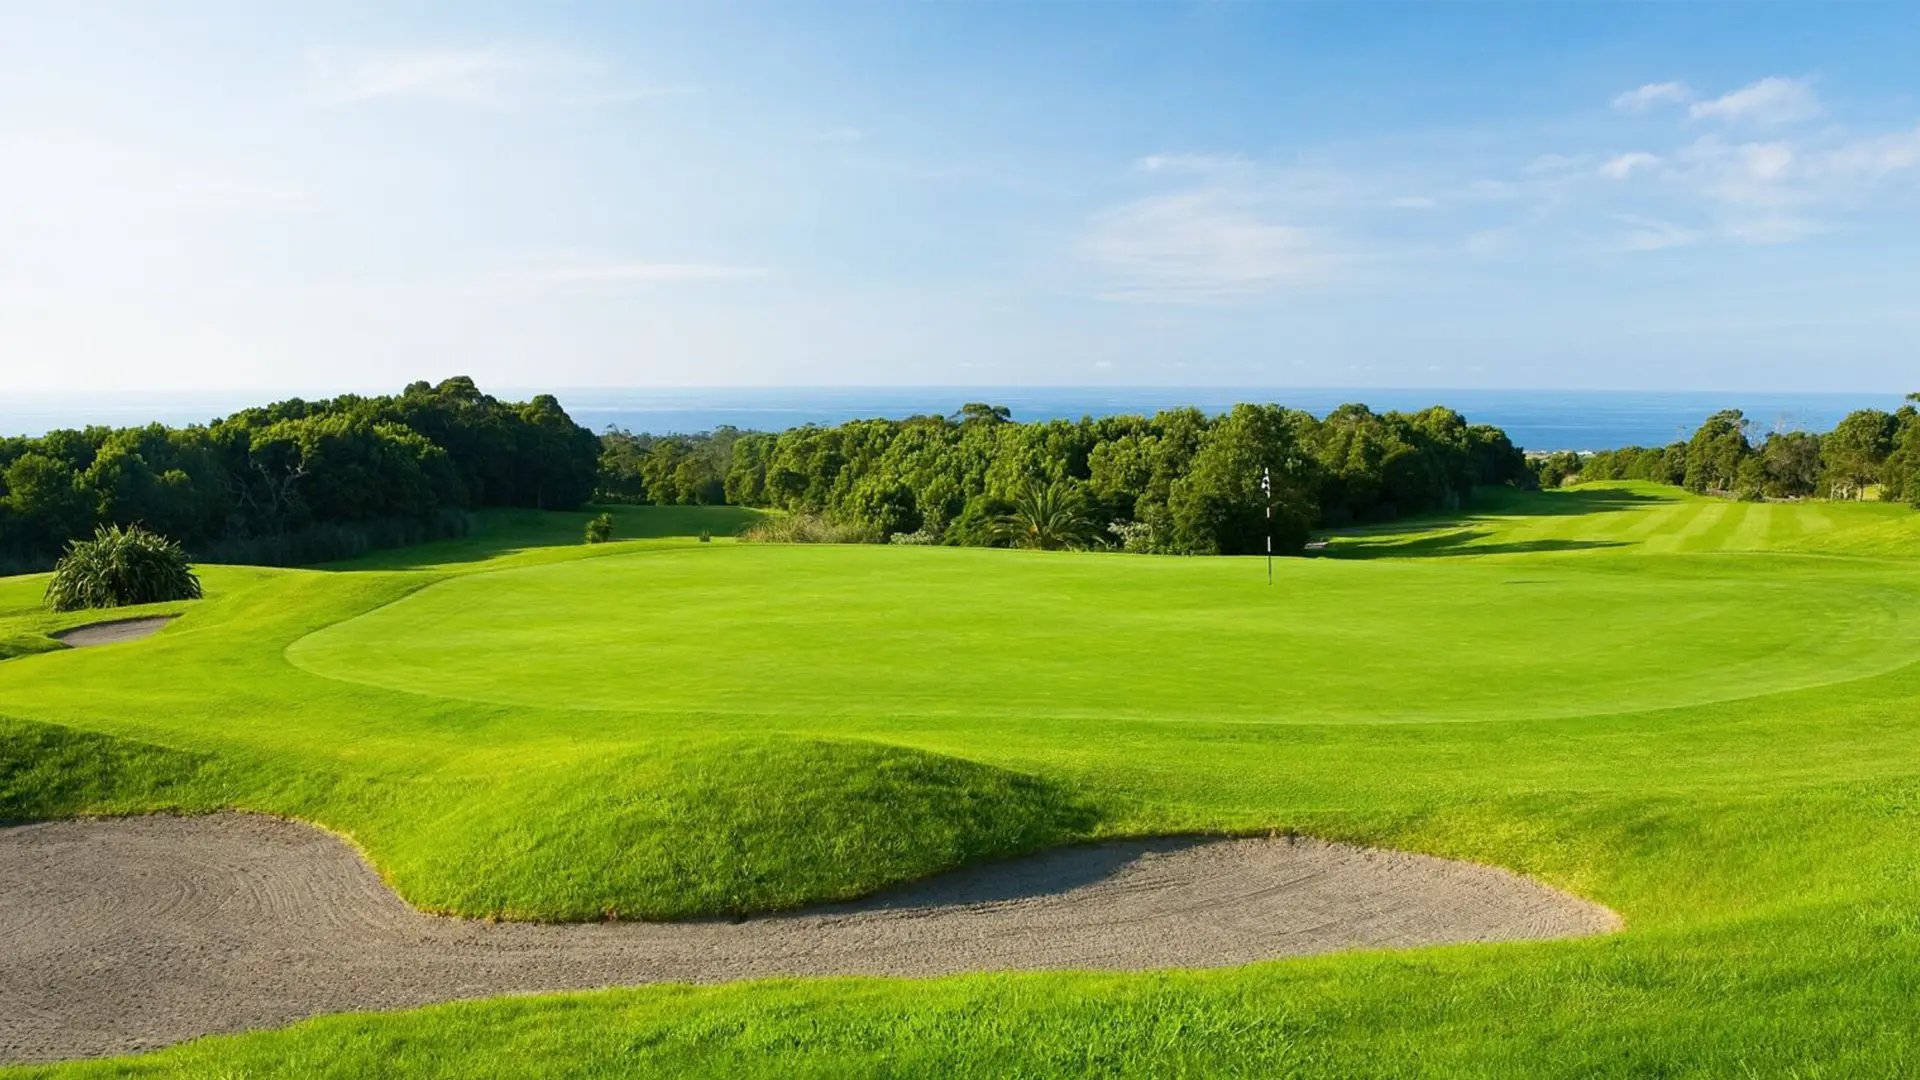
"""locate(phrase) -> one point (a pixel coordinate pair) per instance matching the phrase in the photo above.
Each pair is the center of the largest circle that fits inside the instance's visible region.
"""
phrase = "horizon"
(1538, 419)
(1657, 199)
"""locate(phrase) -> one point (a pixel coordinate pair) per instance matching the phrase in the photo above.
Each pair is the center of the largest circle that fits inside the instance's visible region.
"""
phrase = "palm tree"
(1049, 517)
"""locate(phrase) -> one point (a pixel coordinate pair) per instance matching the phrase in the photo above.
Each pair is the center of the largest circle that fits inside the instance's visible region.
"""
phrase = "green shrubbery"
(121, 567)
(325, 542)
(1191, 478)
(600, 529)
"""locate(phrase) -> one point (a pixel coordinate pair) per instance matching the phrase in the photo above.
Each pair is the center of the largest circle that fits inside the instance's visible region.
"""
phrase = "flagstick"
(1266, 488)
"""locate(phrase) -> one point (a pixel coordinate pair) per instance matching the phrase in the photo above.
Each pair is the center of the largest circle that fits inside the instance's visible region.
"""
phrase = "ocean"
(1535, 419)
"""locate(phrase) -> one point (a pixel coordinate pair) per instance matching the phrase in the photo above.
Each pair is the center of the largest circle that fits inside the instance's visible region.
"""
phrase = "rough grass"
(1757, 830)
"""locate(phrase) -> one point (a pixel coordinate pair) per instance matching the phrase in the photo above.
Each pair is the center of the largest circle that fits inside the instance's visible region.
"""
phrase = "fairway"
(1698, 714)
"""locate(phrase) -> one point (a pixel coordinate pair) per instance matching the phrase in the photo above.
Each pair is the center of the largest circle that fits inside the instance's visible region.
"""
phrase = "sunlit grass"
(1701, 714)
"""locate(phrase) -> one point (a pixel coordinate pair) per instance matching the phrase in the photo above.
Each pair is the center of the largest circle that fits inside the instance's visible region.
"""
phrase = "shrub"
(1133, 536)
(706, 536)
(120, 567)
(600, 529)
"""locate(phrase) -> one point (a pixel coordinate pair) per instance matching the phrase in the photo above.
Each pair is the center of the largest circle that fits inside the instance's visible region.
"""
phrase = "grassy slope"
(1759, 839)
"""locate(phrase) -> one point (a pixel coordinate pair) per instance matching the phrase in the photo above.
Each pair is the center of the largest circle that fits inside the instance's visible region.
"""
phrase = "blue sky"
(332, 196)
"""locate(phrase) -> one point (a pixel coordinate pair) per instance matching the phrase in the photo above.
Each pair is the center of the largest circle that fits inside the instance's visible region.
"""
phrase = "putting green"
(933, 632)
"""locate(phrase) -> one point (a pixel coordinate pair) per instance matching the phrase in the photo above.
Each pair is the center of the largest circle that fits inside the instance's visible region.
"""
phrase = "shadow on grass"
(1567, 502)
(1457, 542)
(499, 533)
(1457, 533)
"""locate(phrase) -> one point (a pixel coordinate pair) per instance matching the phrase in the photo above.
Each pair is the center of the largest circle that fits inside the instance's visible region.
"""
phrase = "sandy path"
(123, 935)
(111, 633)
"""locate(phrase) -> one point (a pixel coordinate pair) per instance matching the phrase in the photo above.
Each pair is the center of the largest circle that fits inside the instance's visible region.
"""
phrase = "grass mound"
(49, 771)
(726, 827)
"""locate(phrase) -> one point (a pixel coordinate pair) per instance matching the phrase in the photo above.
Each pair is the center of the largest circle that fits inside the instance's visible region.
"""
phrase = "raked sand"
(122, 935)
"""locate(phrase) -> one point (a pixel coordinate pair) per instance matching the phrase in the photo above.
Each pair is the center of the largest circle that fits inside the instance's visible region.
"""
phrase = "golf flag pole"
(1266, 490)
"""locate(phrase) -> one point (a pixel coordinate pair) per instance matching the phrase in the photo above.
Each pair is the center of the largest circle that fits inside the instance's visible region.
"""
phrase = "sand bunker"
(112, 633)
(124, 935)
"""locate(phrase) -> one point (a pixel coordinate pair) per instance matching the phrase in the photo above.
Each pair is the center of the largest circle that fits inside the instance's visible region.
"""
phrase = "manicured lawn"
(1702, 714)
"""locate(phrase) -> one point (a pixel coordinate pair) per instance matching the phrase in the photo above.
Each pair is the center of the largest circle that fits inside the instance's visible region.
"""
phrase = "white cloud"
(493, 76)
(1874, 158)
(1646, 97)
(1414, 202)
(1744, 174)
(1772, 100)
(1622, 166)
(1499, 240)
(1653, 234)
(1190, 163)
(1203, 245)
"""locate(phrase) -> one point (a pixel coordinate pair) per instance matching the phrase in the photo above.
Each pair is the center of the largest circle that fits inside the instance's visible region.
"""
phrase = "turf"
(1699, 713)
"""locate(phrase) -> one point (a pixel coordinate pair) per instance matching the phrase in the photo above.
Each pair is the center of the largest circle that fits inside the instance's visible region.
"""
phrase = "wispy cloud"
(1876, 157)
(490, 76)
(1622, 166)
(1772, 100)
(1192, 164)
(1771, 229)
(1653, 234)
(1217, 226)
(1652, 94)
(1205, 245)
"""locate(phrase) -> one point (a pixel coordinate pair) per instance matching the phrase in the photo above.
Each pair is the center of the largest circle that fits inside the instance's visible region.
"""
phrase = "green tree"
(1852, 453)
(44, 494)
(1716, 450)
(1218, 506)
(1791, 464)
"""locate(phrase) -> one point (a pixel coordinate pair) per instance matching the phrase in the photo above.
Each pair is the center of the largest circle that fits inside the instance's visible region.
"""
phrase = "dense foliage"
(1179, 482)
(119, 568)
(297, 481)
(1869, 452)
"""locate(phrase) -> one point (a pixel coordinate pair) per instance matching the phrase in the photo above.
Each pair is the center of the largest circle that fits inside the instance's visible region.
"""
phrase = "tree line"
(297, 481)
(1180, 481)
(305, 481)
(1871, 451)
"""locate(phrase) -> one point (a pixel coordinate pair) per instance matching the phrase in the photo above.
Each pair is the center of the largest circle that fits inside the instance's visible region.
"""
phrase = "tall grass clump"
(807, 529)
(120, 567)
(600, 529)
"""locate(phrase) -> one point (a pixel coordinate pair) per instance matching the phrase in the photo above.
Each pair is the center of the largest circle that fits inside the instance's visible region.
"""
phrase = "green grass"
(1702, 714)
